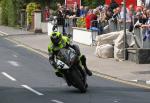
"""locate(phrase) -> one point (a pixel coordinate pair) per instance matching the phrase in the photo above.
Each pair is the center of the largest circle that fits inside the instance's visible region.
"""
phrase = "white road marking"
(15, 56)
(3, 33)
(134, 80)
(116, 101)
(32, 90)
(19, 45)
(14, 63)
(148, 82)
(8, 76)
(56, 101)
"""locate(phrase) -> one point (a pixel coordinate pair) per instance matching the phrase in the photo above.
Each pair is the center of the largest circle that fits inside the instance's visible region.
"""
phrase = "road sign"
(70, 3)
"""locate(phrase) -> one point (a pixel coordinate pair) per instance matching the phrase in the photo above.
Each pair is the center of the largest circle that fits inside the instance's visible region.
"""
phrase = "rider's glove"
(52, 62)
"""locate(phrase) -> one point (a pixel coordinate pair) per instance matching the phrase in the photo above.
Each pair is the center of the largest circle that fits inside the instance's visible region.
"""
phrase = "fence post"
(23, 18)
(125, 36)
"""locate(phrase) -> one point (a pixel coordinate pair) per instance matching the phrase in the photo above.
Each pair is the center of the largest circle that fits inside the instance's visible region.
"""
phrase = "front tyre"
(78, 81)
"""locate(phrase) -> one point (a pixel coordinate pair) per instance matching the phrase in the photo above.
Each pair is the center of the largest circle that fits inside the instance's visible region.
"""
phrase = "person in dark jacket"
(61, 18)
(113, 5)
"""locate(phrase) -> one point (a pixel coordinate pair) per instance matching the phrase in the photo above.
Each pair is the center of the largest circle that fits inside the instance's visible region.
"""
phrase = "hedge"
(9, 12)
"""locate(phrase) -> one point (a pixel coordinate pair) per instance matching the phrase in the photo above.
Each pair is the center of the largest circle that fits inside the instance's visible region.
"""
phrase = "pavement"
(120, 70)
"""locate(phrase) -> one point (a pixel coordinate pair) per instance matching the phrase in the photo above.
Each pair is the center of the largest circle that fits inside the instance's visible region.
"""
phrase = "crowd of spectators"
(102, 17)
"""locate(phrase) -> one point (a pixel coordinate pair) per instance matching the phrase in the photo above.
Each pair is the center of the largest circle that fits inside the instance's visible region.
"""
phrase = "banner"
(70, 3)
(128, 2)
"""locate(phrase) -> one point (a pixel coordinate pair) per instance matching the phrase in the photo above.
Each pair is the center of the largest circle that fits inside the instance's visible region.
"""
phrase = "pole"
(125, 36)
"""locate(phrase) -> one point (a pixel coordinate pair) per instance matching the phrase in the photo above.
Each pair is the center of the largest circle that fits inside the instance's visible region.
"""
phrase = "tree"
(10, 11)
(4, 13)
(92, 3)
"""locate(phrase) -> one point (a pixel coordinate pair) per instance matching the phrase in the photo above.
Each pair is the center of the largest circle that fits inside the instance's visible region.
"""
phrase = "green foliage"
(81, 22)
(93, 3)
(53, 6)
(11, 13)
(31, 7)
(0, 15)
(4, 18)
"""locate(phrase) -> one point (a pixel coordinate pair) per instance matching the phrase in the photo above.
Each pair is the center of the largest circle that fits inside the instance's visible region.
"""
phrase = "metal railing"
(139, 38)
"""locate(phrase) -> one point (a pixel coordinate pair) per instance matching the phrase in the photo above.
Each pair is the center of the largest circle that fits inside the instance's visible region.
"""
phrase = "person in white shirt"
(146, 26)
(122, 13)
(147, 4)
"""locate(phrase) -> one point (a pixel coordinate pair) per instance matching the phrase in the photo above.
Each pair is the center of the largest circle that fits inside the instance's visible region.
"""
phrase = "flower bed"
(81, 22)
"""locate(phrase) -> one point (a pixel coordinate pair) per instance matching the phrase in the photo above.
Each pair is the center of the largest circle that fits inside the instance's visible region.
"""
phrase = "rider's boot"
(58, 73)
(83, 61)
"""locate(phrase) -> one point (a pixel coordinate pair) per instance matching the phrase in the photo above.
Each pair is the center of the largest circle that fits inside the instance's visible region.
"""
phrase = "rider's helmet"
(56, 38)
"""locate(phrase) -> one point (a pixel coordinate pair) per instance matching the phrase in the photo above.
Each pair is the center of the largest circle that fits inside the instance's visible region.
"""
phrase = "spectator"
(131, 10)
(113, 22)
(139, 20)
(131, 14)
(46, 14)
(82, 11)
(147, 4)
(108, 14)
(86, 9)
(116, 14)
(88, 19)
(94, 25)
(101, 14)
(138, 9)
(77, 13)
(128, 19)
(146, 26)
(76, 9)
(113, 5)
(93, 18)
(61, 18)
(58, 5)
(139, 2)
(144, 15)
(144, 12)
(75, 6)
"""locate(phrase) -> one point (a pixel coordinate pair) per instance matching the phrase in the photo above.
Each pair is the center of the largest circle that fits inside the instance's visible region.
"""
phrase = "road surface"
(27, 77)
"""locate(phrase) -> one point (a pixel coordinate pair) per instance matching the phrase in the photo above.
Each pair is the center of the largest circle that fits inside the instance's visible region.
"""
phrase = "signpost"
(125, 36)
(70, 3)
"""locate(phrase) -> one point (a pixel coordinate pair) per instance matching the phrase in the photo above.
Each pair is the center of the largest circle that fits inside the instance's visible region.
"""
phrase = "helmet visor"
(55, 40)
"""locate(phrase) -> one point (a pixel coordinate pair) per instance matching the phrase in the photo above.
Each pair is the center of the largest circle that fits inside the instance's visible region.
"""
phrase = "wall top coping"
(38, 11)
(84, 29)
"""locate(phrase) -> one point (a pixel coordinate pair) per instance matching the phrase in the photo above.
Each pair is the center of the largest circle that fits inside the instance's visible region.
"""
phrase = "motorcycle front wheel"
(78, 81)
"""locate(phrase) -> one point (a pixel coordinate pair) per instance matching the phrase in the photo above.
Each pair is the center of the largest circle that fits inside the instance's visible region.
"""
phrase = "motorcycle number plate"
(62, 65)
